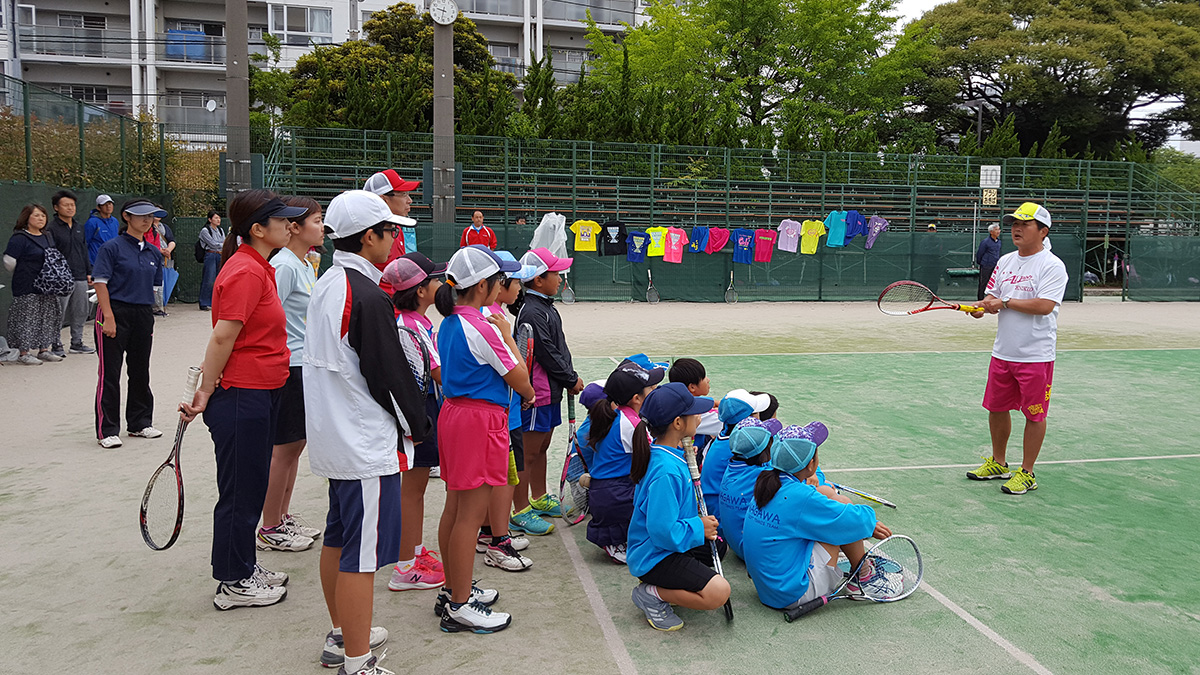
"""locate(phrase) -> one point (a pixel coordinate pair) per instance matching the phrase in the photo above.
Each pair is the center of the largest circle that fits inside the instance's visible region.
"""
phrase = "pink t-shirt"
(789, 235)
(764, 244)
(675, 241)
(717, 238)
(424, 328)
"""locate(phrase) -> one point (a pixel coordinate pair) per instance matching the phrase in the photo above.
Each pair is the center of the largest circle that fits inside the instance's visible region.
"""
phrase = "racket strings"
(162, 507)
(905, 298)
(895, 570)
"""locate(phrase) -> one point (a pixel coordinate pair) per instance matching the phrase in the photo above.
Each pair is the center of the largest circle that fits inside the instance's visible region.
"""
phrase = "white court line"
(613, 360)
(926, 351)
(970, 466)
(1016, 652)
(607, 627)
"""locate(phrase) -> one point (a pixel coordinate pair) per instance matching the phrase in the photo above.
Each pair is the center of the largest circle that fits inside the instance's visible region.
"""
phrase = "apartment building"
(168, 56)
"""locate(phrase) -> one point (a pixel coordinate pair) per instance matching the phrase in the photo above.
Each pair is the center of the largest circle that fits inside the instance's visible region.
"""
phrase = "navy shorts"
(425, 453)
(290, 427)
(364, 521)
(542, 418)
(516, 443)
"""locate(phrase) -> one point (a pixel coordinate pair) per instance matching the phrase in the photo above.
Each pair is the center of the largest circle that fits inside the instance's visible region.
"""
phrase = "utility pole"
(237, 93)
(444, 13)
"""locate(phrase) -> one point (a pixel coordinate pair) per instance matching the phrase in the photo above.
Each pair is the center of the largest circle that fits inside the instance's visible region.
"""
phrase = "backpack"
(55, 278)
(199, 251)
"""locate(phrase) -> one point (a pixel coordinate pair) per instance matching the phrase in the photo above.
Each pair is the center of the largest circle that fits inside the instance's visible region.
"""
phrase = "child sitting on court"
(552, 373)
(692, 373)
(668, 547)
(750, 445)
(611, 424)
(794, 531)
(735, 407)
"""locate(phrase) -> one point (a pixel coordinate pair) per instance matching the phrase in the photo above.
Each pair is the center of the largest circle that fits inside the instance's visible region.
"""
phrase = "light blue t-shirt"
(716, 460)
(294, 280)
(737, 491)
(410, 239)
(835, 223)
(665, 516)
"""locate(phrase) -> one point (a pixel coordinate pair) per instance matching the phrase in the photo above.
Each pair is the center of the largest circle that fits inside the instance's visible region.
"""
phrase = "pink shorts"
(1019, 386)
(472, 438)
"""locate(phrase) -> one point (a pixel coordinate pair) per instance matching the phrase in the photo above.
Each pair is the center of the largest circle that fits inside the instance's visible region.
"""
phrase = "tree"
(1091, 67)
(1178, 167)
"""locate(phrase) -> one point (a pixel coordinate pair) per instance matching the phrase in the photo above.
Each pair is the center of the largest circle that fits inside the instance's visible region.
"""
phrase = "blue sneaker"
(658, 613)
(528, 522)
(547, 505)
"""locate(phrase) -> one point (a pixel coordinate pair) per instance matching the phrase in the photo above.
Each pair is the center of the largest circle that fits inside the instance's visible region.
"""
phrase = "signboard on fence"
(989, 176)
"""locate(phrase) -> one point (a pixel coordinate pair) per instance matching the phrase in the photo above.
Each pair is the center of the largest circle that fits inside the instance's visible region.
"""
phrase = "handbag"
(200, 252)
(55, 278)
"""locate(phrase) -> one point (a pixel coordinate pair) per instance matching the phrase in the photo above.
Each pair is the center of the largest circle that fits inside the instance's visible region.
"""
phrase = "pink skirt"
(472, 440)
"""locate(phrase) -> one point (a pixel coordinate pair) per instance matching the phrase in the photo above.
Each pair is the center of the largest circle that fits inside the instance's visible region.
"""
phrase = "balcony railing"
(83, 42)
(176, 115)
(191, 47)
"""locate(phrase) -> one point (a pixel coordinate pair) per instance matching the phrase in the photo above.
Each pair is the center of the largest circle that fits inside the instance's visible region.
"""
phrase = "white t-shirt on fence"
(1021, 337)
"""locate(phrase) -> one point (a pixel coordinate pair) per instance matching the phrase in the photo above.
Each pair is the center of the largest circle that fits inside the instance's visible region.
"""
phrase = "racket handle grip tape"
(968, 308)
(689, 453)
(797, 612)
(193, 381)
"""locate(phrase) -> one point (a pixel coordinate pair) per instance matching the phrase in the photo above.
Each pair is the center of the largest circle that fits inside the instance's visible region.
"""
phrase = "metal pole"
(355, 17)
(237, 92)
(162, 158)
(28, 133)
(444, 179)
(124, 160)
(82, 144)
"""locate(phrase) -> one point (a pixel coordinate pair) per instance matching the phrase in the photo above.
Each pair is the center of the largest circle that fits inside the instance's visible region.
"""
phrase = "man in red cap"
(394, 190)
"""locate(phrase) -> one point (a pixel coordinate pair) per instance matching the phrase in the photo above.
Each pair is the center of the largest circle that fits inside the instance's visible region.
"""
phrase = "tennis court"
(1090, 573)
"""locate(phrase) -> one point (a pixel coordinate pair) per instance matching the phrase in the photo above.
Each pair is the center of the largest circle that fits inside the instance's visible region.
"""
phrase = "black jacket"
(549, 344)
(72, 243)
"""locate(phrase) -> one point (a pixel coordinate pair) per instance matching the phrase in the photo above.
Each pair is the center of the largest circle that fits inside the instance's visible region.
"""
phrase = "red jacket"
(483, 235)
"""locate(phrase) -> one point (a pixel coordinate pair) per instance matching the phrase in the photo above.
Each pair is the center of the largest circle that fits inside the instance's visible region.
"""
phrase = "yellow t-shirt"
(810, 235)
(585, 234)
(658, 241)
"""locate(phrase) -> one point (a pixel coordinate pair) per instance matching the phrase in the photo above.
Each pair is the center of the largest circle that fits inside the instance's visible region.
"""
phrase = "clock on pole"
(443, 12)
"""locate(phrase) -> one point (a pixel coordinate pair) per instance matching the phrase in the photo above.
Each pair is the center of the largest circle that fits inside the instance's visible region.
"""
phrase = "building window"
(300, 26)
(501, 50)
(210, 29)
(82, 21)
(87, 94)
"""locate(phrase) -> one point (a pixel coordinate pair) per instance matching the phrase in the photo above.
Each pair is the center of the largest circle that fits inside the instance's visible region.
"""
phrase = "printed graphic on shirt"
(764, 244)
(875, 227)
(676, 238)
(658, 241)
(789, 235)
(585, 234)
(638, 242)
(699, 239)
(743, 246)
(612, 238)
(810, 235)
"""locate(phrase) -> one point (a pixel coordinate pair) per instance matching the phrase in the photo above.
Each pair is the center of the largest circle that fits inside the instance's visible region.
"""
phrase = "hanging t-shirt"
(743, 245)
(658, 241)
(410, 239)
(585, 234)
(699, 239)
(875, 227)
(810, 236)
(717, 238)
(675, 241)
(789, 235)
(764, 244)
(1021, 337)
(637, 243)
(855, 225)
(612, 238)
(835, 222)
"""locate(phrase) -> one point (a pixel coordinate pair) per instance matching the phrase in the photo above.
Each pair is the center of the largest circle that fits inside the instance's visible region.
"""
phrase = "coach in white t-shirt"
(1025, 291)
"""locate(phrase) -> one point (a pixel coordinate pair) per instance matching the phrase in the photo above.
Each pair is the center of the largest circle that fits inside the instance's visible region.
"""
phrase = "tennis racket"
(909, 297)
(731, 296)
(524, 340)
(417, 355)
(161, 515)
(864, 495)
(572, 488)
(689, 452)
(896, 571)
(651, 291)
(568, 294)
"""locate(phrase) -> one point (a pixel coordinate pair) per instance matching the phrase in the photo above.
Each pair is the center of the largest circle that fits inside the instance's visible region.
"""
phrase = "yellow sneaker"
(990, 470)
(1021, 482)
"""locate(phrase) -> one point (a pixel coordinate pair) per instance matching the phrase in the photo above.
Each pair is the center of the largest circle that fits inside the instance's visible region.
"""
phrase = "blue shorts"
(542, 418)
(364, 521)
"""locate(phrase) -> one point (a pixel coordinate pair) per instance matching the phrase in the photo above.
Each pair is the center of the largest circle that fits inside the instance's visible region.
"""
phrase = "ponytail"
(641, 453)
(766, 486)
(445, 299)
(241, 213)
(515, 307)
(229, 247)
(602, 417)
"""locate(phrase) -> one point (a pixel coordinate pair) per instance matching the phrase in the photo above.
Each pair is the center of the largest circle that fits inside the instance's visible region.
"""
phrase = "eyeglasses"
(393, 229)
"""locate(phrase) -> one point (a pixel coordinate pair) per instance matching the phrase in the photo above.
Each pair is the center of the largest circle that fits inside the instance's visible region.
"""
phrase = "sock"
(485, 531)
(355, 663)
(406, 565)
(337, 633)
(497, 540)
(455, 605)
(446, 590)
(653, 590)
(419, 550)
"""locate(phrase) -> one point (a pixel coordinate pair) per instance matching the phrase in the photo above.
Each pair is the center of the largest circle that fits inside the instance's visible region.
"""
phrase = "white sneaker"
(473, 616)
(281, 539)
(334, 653)
(519, 542)
(250, 592)
(298, 525)
(110, 442)
(49, 356)
(148, 432)
(484, 596)
(268, 577)
(28, 360)
(506, 558)
(616, 552)
(435, 472)
(372, 667)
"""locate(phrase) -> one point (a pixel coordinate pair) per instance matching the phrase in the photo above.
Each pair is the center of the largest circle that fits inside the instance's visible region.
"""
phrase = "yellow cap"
(1029, 211)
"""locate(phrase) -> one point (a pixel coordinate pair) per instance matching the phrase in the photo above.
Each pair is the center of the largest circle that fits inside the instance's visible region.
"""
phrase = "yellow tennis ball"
(586, 480)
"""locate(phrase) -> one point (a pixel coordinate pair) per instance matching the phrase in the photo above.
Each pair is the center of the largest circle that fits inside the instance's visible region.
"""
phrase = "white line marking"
(1016, 652)
(611, 637)
(969, 466)
(928, 351)
(614, 360)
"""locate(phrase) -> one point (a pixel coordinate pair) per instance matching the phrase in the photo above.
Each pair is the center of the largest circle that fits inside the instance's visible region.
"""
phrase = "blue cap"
(526, 271)
(672, 400)
(749, 438)
(793, 449)
(645, 362)
(591, 393)
(507, 266)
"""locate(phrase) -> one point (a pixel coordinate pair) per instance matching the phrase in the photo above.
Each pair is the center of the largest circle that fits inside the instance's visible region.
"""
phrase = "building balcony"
(195, 48)
(189, 116)
(89, 43)
(604, 12)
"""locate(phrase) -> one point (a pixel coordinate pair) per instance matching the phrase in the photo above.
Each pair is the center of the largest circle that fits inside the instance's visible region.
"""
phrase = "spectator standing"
(987, 256)
(71, 241)
(478, 233)
(395, 192)
(127, 270)
(212, 238)
(34, 317)
(166, 243)
(101, 226)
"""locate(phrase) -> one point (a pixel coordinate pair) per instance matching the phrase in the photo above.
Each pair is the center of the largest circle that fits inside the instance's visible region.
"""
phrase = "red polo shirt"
(245, 291)
(483, 235)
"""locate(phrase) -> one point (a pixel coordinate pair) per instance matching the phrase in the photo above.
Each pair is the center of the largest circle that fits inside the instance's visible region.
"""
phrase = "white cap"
(472, 264)
(757, 402)
(355, 211)
(103, 199)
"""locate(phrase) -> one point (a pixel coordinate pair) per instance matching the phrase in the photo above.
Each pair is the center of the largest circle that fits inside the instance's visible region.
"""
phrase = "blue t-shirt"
(474, 358)
(855, 225)
(835, 223)
(665, 516)
(636, 244)
(98, 230)
(743, 245)
(737, 491)
(131, 268)
(777, 540)
(716, 460)
(613, 454)
(698, 239)
(30, 253)
(410, 239)
(581, 440)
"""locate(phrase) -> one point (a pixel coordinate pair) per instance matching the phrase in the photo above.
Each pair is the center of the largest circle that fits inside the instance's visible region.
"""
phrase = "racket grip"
(193, 381)
(797, 612)
(689, 453)
(969, 308)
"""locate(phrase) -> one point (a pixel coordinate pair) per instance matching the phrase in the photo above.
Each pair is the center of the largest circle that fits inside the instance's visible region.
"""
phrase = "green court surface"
(1090, 573)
